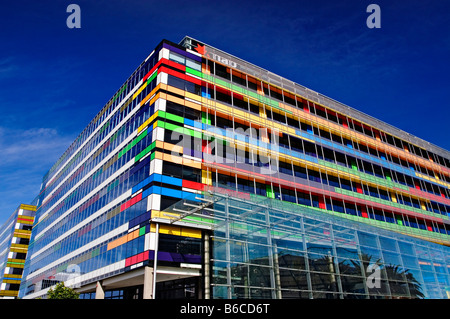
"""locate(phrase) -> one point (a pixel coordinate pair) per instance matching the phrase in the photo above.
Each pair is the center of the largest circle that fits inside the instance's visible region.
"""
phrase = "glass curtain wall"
(264, 248)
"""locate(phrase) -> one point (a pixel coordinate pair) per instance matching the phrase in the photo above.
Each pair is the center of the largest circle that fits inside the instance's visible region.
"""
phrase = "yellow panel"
(9, 293)
(189, 232)
(206, 177)
(394, 198)
(159, 214)
(174, 99)
(193, 105)
(193, 96)
(175, 90)
(422, 205)
(140, 90)
(191, 163)
(170, 230)
(28, 207)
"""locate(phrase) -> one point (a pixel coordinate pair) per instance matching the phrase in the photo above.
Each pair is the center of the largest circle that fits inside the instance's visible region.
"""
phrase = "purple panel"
(194, 259)
(177, 257)
(162, 255)
(182, 52)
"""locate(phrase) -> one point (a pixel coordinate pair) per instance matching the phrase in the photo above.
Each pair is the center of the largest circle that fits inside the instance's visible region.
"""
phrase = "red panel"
(205, 147)
(171, 72)
(131, 202)
(193, 80)
(173, 64)
(359, 189)
(145, 254)
(364, 212)
(193, 185)
(322, 203)
(151, 71)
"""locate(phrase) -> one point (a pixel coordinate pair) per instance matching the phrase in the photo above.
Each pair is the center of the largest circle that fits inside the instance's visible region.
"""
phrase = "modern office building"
(205, 176)
(14, 239)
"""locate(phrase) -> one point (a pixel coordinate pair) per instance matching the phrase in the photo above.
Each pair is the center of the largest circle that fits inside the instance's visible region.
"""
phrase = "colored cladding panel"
(131, 202)
(193, 185)
(269, 192)
(182, 52)
(132, 144)
(364, 212)
(193, 72)
(322, 203)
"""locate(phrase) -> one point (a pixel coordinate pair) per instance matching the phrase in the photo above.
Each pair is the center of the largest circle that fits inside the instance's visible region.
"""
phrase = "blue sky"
(53, 80)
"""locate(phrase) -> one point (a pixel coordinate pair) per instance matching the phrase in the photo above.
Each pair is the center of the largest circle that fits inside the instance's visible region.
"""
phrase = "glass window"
(176, 57)
(387, 244)
(193, 64)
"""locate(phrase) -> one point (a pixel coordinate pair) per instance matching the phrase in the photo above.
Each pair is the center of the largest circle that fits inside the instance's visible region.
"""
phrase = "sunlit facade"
(206, 176)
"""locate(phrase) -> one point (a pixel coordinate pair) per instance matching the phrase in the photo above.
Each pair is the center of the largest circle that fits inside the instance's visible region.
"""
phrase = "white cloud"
(25, 156)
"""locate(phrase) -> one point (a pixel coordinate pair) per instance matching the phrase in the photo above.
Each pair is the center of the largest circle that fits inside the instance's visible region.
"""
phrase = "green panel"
(269, 192)
(223, 83)
(120, 92)
(133, 143)
(205, 118)
(95, 252)
(207, 77)
(174, 118)
(194, 72)
(104, 127)
(142, 231)
(152, 77)
(147, 150)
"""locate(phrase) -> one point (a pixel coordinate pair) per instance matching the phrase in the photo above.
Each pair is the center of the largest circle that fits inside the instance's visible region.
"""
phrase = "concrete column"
(206, 275)
(148, 283)
(99, 291)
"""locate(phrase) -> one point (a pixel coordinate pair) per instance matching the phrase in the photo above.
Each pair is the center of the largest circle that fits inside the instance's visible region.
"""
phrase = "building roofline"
(336, 105)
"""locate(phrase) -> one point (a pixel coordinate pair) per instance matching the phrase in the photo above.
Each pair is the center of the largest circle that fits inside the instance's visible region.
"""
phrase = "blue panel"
(171, 180)
(189, 122)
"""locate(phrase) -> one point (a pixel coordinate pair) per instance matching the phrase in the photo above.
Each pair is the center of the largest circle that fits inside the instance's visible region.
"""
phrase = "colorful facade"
(14, 239)
(193, 121)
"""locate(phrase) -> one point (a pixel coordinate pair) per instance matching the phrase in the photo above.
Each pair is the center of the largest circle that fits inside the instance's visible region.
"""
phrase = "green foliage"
(62, 292)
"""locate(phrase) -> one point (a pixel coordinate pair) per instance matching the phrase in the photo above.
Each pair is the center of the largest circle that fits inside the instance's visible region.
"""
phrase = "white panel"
(152, 241)
(149, 201)
(162, 78)
(158, 166)
(152, 168)
(158, 134)
(156, 204)
(146, 241)
(160, 104)
(165, 53)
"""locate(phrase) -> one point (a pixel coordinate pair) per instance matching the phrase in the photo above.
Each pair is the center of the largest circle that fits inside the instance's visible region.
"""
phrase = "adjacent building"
(205, 176)
(14, 239)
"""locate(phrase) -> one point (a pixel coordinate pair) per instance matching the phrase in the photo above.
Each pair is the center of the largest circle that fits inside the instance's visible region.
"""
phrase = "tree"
(62, 292)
